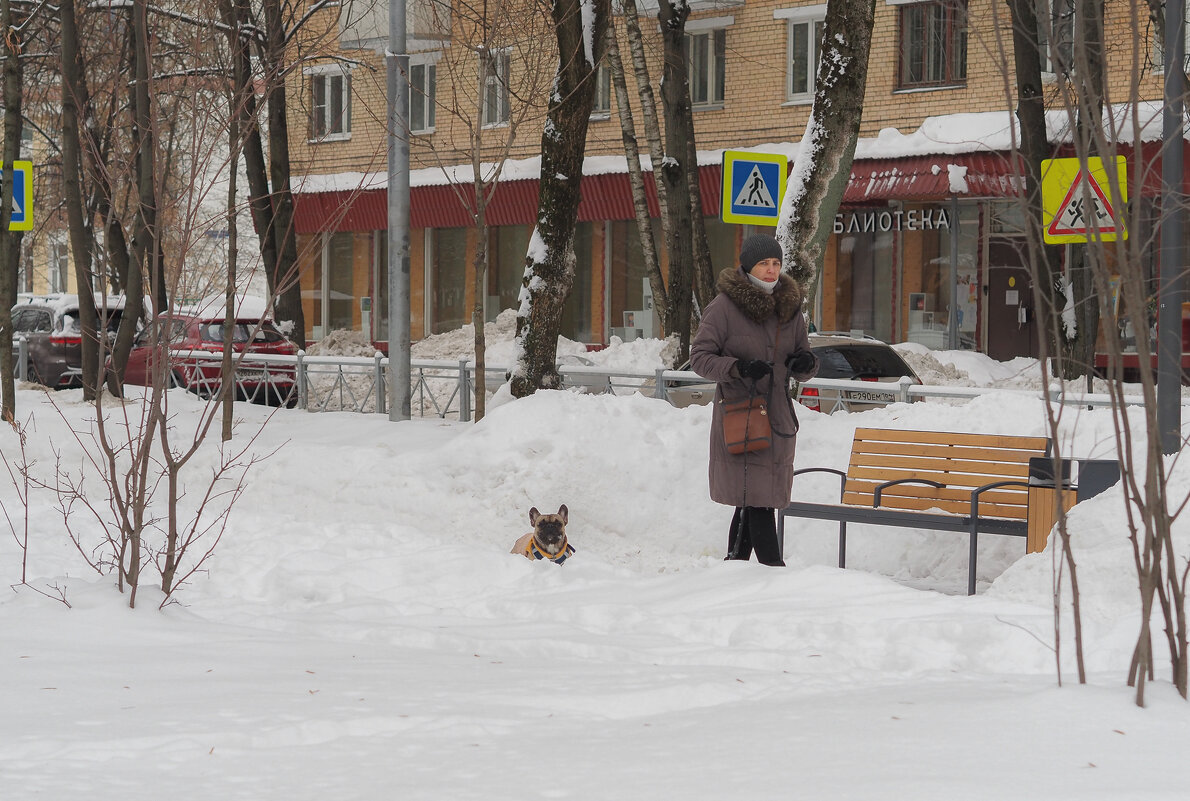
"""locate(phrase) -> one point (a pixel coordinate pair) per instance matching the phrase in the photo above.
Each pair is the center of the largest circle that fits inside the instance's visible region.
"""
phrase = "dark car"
(51, 326)
(179, 331)
(840, 356)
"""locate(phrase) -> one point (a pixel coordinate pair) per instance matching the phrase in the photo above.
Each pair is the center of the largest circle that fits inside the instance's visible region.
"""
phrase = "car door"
(35, 326)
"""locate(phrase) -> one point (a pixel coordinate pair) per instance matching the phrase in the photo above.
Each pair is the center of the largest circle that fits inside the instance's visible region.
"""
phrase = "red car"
(257, 381)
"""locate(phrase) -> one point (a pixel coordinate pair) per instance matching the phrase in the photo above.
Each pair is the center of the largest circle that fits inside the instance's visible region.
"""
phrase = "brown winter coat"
(741, 323)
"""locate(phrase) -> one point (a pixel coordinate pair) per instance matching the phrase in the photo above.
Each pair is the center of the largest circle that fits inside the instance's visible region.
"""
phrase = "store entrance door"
(1012, 331)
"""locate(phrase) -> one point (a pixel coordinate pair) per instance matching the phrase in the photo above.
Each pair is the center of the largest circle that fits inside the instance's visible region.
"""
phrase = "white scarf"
(766, 286)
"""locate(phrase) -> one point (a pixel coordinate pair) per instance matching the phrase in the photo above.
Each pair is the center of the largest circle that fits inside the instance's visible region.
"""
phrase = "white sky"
(362, 631)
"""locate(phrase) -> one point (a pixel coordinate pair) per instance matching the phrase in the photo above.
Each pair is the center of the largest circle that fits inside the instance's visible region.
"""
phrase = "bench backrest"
(962, 462)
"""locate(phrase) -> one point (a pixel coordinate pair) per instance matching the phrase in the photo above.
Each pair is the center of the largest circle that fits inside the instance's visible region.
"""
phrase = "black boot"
(739, 543)
(762, 531)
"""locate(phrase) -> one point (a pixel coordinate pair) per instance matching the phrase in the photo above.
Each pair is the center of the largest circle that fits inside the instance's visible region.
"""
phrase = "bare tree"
(496, 66)
(10, 241)
(823, 162)
(580, 28)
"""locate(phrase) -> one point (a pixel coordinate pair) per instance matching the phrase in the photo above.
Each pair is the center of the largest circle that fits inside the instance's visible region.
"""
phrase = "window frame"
(813, 19)
(495, 81)
(425, 95)
(714, 72)
(601, 104)
(322, 119)
(949, 49)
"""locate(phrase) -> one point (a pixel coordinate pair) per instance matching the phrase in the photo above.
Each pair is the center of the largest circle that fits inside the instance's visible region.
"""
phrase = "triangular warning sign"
(1084, 210)
(755, 192)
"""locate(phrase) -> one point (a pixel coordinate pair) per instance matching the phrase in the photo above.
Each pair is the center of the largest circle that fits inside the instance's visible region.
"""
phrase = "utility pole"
(1169, 314)
(397, 62)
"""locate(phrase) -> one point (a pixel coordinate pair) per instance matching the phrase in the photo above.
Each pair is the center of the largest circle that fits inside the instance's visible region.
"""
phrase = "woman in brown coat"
(751, 340)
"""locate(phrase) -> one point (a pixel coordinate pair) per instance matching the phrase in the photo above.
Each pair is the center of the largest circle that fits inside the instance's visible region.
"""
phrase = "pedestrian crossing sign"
(753, 185)
(1077, 203)
(22, 196)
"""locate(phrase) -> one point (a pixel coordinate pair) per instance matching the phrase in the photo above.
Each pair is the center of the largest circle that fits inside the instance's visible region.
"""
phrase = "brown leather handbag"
(746, 426)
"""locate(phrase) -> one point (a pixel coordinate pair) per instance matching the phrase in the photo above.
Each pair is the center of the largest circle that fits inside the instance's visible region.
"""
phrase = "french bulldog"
(547, 540)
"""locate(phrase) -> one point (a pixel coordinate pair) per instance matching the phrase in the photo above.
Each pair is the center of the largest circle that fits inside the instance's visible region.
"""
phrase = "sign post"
(753, 185)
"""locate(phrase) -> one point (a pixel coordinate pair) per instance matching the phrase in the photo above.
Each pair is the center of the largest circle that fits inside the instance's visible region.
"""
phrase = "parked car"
(839, 356)
(174, 332)
(50, 324)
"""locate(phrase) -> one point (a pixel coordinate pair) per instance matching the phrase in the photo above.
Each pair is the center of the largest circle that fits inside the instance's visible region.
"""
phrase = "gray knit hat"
(756, 248)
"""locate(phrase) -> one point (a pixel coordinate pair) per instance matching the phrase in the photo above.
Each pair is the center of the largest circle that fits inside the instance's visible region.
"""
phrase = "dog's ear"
(533, 515)
(562, 512)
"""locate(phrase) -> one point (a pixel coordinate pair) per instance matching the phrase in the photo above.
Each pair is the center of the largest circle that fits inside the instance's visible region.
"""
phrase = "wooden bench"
(966, 483)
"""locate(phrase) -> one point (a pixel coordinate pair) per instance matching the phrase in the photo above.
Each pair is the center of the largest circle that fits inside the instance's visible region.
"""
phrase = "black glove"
(800, 362)
(755, 369)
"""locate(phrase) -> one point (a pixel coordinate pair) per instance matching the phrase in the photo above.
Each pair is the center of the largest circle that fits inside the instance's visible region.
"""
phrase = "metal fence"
(446, 389)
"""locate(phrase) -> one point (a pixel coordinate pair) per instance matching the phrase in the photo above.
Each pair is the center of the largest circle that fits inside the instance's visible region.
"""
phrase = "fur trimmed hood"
(755, 303)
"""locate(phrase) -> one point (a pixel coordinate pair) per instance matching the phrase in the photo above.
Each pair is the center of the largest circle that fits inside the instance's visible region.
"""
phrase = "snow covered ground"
(362, 632)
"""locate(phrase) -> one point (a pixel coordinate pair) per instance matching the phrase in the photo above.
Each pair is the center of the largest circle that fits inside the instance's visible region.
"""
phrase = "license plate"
(250, 375)
(870, 397)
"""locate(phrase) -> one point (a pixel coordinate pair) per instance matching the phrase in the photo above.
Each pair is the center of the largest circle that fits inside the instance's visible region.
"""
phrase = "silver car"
(840, 356)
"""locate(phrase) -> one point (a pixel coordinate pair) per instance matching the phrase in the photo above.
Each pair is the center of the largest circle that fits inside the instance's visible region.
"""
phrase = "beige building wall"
(754, 111)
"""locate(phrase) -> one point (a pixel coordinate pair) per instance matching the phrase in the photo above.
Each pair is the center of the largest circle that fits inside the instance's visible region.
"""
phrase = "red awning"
(606, 196)
(932, 178)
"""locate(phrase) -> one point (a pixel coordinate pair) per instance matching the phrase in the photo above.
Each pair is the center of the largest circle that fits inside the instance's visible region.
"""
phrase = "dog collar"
(535, 551)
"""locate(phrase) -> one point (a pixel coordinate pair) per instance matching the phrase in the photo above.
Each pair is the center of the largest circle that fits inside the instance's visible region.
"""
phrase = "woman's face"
(767, 269)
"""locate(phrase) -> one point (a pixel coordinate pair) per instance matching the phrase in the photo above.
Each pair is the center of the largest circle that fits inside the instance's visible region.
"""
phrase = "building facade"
(931, 223)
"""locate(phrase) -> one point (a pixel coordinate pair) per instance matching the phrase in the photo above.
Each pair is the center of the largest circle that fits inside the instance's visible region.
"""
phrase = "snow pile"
(342, 342)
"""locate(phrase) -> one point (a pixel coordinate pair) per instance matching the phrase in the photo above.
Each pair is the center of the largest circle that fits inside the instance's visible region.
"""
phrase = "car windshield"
(850, 361)
(213, 332)
(72, 326)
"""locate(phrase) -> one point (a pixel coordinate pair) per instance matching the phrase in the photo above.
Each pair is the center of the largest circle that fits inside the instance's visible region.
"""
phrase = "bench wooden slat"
(958, 507)
(1007, 496)
(990, 455)
(941, 467)
(952, 438)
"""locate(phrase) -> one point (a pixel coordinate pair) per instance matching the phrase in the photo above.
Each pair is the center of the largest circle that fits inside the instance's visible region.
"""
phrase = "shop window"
(508, 245)
(448, 280)
(330, 103)
(933, 39)
(804, 37)
(495, 67)
(576, 311)
(863, 285)
(706, 51)
(423, 84)
(628, 277)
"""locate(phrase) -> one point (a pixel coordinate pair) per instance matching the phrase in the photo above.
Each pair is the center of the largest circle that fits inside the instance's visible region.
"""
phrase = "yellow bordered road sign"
(753, 185)
(1077, 203)
(22, 196)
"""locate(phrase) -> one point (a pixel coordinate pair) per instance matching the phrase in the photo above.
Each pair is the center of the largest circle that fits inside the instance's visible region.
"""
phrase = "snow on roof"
(949, 134)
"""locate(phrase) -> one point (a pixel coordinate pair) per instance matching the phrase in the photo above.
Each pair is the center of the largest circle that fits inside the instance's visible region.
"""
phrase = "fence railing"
(446, 388)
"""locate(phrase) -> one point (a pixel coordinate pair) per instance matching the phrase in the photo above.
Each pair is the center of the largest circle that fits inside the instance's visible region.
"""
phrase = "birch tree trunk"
(549, 264)
(640, 202)
(823, 162)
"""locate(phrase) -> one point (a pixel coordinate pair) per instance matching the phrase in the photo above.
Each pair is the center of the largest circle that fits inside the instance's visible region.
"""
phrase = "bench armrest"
(842, 476)
(881, 487)
(981, 490)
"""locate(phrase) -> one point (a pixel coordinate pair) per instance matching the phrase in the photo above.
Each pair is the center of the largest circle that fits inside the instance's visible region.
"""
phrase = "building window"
(602, 107)
(330, 103)
(423, 84)
(494, 69)
(59, 266)
(1055, 36)
(802, 50)
(705, 53)
(933, 44)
